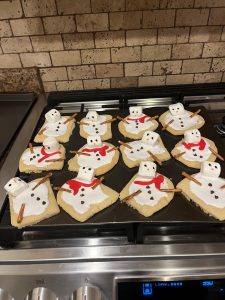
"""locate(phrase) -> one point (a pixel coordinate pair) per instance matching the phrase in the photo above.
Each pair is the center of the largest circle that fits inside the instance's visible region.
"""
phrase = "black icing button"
(97, 154)
(141, 148)
(147, 187)
(195, 154)
(216, 197)
(152, 198)
(212, 192)
(136, 126)
(181, 125)
(81, 202)
(81, 195)
(209, 184)
(138, 150)
(201, 156)
(99, 158)
(38, 198)
(149, 192)
(32, 195)
(31, 159)
(132, 152)
(97, 131)
(82, 189)
(43, 202)
(38, 154)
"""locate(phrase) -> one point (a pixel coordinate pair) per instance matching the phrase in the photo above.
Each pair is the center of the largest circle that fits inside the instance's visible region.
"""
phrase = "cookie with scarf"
(149, 183)
(29, 203)
(100, 155)
(43, 158)
(140, 150)
(85, 195)
(95, 124)
(193, 149)
(134, 125)
(57, 126)
(177, 120)
(209, 193)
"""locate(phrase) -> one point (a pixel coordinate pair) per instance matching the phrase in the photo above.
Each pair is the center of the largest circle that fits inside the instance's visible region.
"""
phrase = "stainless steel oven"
(178, 255)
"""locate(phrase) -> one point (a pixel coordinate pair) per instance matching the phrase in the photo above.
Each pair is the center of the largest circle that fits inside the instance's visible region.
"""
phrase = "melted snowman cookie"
(209, 196)
(193, 149)
(141, 150)
(93, 124)
(55, 126)
(40, 203)
(181, 119)
(84, 200)
(100, 156)
(150, 198)
(43, 158)
(136, 123)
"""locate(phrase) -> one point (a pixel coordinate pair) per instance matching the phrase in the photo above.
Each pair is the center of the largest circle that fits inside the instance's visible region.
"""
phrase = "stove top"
(92, 263)
(13, 111)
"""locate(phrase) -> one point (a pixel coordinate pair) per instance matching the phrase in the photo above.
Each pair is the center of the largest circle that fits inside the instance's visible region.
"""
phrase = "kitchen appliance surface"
(13, 110)
(117, 252)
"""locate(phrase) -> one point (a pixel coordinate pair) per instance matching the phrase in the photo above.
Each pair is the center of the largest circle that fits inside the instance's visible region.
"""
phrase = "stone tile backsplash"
(92, 44)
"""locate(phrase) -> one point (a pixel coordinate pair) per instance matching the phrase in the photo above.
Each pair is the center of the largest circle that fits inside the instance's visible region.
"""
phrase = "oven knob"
(41, 293)
(4, 295)
(87, 293)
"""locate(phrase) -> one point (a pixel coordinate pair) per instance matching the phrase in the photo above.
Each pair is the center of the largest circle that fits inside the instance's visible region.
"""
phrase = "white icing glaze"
(95, 160)
(90, 197)
(144, 197)
(194, 154)
(95, 128)
(36, 202)
(182, 120)
(136, 127)
(29, 158)
(139, 151)
(56, 129)
(209, 194)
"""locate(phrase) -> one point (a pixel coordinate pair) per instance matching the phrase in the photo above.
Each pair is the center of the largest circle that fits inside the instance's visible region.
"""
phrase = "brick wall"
(85, 44)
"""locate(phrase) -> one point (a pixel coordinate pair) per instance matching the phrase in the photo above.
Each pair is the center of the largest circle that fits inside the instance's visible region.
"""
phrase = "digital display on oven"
(175, 290)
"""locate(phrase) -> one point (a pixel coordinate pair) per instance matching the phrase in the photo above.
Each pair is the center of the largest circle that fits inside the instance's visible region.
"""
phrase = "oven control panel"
(176, 290)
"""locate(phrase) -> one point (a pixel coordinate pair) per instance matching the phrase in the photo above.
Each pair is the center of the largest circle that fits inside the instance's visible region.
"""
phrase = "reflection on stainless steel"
(41, 293)
(4, 295)
(87, 293)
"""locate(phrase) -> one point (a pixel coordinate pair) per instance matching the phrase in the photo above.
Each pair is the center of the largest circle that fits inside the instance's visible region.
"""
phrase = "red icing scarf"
(141, 119)
(101, 150)
(46, 155)
(201, 145)
(157, 181)
(76, 185)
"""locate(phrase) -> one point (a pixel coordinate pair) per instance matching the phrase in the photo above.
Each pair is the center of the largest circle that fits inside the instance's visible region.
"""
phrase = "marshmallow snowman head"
(15, 186)
(85, 174)
(92, 115)
(147, 169)
(51, 145)
(210, 169)
(192, 136)
(52, 116)
(94, 141)
(135, 111)
(176, 109)
(150, 137)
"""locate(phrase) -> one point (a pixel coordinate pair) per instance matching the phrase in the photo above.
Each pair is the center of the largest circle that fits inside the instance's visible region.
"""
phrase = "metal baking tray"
(13, 111)
(119, 216)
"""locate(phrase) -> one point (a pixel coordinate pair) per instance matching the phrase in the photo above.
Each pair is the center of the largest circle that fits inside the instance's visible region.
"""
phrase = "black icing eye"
(91, 141)
(192, 133)
(93, 117)
(172, 108)
(145, 166)
(10, 184)
(152, 137)
(133, 112)
(210, 165)
(96, 140)
(83, 168)
(89, 169)
(153, 168)
(216, 167)
(147, 134)
(19, 179)
(49, 147)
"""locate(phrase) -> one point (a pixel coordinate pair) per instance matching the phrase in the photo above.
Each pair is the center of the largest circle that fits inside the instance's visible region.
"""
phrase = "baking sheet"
(178, 211)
